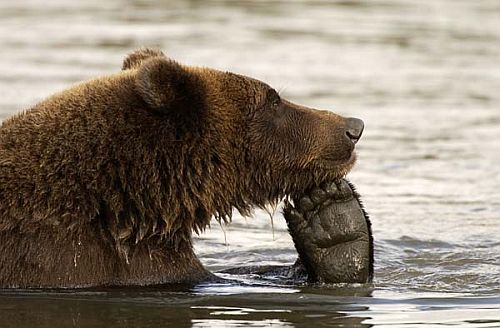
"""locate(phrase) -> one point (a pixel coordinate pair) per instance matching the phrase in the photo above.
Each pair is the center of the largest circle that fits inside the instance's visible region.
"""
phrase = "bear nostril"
(354, 129)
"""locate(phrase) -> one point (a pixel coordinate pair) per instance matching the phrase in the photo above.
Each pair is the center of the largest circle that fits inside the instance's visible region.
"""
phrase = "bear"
(104, 183)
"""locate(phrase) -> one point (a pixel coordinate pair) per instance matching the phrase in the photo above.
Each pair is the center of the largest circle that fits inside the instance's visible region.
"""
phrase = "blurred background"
(423, 75)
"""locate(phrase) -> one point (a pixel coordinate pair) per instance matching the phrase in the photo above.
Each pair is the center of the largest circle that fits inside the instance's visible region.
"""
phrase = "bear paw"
(332, 234)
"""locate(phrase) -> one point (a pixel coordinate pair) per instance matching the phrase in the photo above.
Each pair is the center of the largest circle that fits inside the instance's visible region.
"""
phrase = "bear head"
(259, 147)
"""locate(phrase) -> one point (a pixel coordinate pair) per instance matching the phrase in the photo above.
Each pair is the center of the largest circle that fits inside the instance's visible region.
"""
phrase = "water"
(424, 76)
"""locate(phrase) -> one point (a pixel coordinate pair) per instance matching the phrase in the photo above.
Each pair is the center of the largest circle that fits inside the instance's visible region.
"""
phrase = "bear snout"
(354, 129)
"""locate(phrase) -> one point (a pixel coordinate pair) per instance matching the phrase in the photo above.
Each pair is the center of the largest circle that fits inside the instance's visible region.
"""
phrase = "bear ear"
(163, 83)
(136, 58)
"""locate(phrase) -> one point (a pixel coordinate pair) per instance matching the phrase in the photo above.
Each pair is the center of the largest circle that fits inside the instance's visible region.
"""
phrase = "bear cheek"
(272, 141)
(301, 142)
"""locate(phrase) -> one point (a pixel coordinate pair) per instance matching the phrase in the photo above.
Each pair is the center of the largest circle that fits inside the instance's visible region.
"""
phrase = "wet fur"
(369, 226)
(104, 183)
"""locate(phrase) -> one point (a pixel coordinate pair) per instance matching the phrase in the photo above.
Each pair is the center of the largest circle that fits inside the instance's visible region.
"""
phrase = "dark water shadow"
(206, 305)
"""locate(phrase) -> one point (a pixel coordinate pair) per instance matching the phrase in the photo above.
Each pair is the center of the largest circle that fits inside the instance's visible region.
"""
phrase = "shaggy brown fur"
(104, 183)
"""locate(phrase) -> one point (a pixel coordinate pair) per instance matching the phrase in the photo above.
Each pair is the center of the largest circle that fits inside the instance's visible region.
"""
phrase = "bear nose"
(354, 128)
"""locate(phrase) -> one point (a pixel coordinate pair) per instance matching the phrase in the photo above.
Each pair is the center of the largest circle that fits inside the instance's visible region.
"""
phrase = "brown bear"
(104, 183)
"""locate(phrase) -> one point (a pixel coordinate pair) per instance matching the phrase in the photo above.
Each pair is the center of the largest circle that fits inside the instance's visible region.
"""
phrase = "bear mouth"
(340, 164)
(338, 168)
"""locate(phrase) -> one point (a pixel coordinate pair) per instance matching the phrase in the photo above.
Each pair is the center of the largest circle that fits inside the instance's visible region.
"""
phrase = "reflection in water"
(155, 307)
(424, 77)
(313, 306)
(240, 317)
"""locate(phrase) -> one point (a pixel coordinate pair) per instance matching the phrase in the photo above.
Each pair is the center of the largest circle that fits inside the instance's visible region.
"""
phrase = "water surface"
(423, 75)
